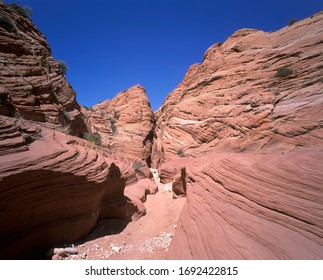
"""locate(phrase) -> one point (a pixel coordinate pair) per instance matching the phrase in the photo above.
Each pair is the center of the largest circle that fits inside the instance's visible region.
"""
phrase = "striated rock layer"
(125, 123)
(246, 128)
(32, 84)
(54, 188)
(252, 206)
(258, 93)
(242, 97)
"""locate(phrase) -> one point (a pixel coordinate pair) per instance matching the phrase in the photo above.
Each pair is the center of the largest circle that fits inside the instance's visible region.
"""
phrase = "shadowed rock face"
(54, 188)
(32, 85)
(124, 123)
(252, 206)
(235, 101)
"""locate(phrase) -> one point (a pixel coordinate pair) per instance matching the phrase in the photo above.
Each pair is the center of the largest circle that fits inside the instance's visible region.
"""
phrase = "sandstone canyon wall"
(125, 123)
(251, 206)
(32, 84)
(53, 187)
(240, 137)
(236, 101)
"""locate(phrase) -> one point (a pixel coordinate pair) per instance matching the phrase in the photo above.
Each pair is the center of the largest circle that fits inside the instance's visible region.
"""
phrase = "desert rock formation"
(125, 123)
(55, 187)
(252, 206)
(246, 129)
(240, 137)
(32, 84)
(236, 101)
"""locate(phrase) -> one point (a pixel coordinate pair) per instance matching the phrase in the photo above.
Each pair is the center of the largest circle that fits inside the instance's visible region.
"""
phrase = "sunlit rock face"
(32, 82)
(251, 206)
(125, 123)
(256, 92)
(54, 187)
(240, 138)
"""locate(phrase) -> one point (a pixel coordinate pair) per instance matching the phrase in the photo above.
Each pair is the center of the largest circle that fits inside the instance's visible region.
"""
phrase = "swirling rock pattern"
(252, 206)
(237, 100)
(54, 188)
(240, 137)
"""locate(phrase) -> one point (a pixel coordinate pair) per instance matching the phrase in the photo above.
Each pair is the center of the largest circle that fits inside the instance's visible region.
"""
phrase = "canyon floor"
(147, 238)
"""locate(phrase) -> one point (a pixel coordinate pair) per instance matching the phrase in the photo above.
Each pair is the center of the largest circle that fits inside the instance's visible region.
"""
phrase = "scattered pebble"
(116, 248)
(162, 241)
(63, 252)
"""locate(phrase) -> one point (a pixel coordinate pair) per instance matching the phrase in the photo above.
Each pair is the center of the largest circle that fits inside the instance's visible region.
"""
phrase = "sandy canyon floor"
(147, 238)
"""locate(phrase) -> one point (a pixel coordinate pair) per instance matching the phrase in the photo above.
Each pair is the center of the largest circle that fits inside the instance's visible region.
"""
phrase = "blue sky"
(110, 45)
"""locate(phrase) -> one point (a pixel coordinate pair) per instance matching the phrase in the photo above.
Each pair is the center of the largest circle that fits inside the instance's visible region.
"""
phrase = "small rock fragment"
(60, 252)
(116, 248)
(71, 251)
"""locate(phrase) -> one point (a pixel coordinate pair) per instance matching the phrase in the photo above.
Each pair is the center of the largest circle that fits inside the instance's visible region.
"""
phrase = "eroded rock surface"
(252, 206)
(32, 84)
(258, 96)
(54, 188)
(257, 91)
(125, 123)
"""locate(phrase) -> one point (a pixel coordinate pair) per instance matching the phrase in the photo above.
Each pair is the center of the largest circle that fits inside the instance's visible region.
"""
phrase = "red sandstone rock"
(137, 193)
(252, 206)
(233, 101)
(54, 187)
(32, 84)
(179, 184)
(169, 169)
(124, 123)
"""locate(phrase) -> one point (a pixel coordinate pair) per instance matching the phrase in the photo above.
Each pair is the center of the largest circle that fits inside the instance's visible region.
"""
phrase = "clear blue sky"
(110, 45)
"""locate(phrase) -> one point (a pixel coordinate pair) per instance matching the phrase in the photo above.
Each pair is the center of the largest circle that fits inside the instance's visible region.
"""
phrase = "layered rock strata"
(258, 96)
(257, 91)
(54, 188)
(252, 206)
(32, 83)
(125, 123)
